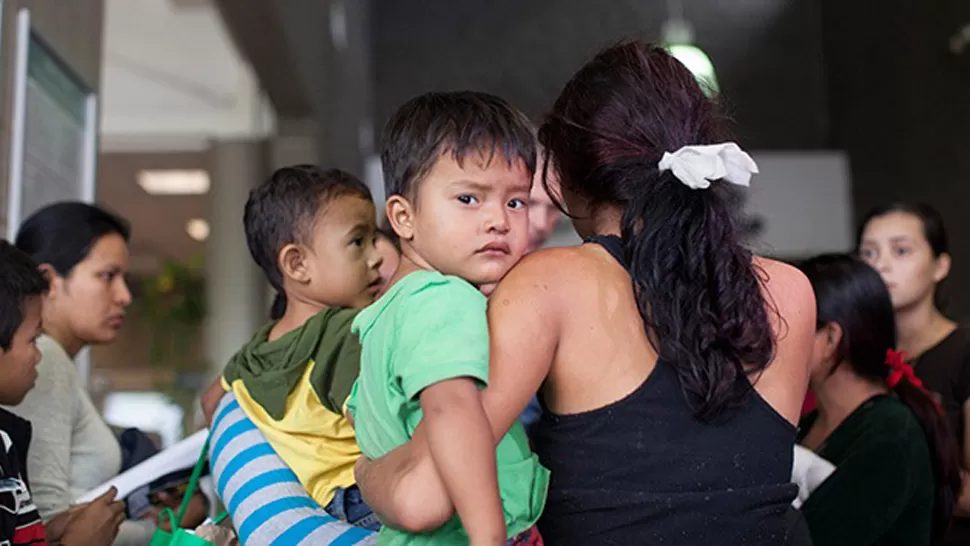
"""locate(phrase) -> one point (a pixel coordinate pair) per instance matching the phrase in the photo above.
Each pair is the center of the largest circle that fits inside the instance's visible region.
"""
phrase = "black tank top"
(644, 470)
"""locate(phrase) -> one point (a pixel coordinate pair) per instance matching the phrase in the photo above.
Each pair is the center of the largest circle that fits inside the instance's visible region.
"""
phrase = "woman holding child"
(672, 364)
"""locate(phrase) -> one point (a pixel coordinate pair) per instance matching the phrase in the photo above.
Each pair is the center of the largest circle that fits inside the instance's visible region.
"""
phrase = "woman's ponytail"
(940, 439)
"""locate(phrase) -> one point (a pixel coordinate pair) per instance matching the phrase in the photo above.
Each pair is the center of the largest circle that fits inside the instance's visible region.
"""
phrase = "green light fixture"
(678, 40)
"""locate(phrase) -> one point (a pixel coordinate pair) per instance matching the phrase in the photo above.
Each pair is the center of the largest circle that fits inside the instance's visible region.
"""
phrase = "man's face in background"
(543, 214)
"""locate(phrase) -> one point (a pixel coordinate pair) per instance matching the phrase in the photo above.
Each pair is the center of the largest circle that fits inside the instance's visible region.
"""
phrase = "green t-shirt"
(426, 329)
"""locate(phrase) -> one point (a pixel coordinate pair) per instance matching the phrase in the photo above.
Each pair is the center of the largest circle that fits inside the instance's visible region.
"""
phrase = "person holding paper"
(22, 288)
(82, 250)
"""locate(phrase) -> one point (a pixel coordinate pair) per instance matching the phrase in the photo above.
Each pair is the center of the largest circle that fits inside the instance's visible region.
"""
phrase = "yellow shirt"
(316, 443)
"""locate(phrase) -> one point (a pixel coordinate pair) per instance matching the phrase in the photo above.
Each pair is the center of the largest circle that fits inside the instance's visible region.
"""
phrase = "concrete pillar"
(235, 287)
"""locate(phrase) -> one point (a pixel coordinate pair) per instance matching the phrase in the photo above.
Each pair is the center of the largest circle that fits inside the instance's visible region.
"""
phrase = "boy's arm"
(211, 398)
(391, 483)
(440, 341)
(523, 332)
(463, 449)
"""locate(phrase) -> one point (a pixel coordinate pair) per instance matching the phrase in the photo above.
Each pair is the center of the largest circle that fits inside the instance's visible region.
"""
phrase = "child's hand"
(210, 400)
(195, 514)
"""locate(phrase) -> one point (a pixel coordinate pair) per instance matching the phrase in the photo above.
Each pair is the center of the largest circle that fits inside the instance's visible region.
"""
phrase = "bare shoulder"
(791, 310)
(782, 276)
(561, 267)
(787, 288)
(546, 275)
(791, 302)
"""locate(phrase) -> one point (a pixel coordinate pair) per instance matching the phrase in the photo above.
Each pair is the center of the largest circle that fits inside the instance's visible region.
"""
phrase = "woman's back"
(645, 470)
(651, 340)
(629, 466)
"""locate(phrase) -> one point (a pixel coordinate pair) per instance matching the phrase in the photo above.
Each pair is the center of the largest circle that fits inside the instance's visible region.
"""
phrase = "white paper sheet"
(808, 472)
(180, 456)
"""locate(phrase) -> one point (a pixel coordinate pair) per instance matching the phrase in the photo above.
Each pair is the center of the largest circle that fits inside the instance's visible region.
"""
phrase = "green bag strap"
(193, 483)
(219, 519)
(170, 516)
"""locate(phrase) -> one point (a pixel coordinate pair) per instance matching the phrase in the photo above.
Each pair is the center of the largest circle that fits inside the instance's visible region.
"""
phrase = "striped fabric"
(266, 501)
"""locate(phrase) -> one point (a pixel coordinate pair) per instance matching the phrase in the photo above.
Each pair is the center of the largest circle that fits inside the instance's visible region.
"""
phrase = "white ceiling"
(172, 78)
(172, 81)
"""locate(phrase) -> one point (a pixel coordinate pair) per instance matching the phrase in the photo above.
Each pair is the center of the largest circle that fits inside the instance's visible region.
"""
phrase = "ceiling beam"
(256, 27)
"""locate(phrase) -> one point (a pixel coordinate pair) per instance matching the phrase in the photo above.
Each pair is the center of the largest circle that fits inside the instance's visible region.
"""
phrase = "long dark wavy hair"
(850, 293)
(698, 291)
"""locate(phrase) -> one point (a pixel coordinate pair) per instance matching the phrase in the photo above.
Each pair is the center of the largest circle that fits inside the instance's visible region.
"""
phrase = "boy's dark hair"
(283, 210)
(459, 122)
(62, 234)
(19, 279)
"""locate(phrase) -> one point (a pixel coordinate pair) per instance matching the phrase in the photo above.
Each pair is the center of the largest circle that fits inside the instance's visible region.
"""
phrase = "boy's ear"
(293, 263)
(400, 215)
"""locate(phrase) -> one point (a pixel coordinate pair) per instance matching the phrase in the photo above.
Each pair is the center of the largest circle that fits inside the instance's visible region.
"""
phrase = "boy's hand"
(195, 514)
(463, 449)
(210, 400)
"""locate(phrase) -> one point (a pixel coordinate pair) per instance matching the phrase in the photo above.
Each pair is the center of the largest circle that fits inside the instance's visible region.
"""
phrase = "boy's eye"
(517, 204)
(359, 241)
(467, 199)
(901, 251)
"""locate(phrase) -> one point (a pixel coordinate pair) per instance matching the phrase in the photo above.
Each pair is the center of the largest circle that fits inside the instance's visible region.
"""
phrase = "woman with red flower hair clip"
(897, 475)
(907, 244)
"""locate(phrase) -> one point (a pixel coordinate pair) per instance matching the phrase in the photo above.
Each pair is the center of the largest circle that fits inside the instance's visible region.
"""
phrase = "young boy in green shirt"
(458, 170)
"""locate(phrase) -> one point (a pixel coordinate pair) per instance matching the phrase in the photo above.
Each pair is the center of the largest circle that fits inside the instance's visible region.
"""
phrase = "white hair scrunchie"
(697, 166)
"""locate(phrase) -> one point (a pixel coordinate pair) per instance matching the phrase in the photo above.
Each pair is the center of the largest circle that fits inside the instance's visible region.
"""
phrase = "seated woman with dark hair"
(83, 252)
(897, 473)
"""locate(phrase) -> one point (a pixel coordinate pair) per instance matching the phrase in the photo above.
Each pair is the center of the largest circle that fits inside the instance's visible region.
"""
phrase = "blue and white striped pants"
(266, 501)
